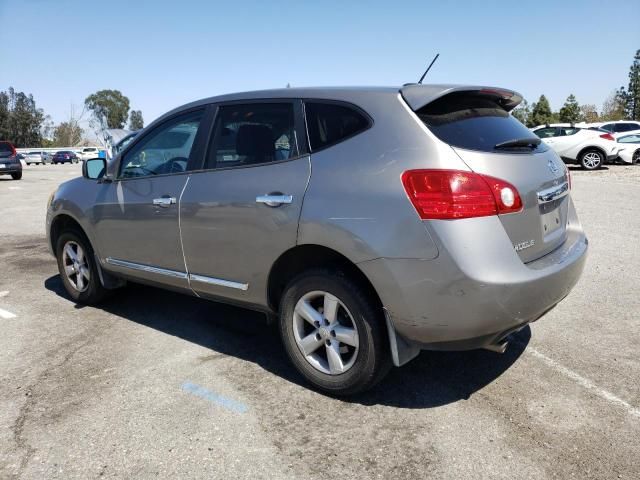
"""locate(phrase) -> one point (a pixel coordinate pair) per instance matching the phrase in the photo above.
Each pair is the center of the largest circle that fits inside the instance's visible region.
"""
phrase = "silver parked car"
(374, 222)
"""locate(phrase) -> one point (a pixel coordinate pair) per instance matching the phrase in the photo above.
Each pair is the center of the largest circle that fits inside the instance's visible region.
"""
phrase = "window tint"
(546, 132)
(250, 134)
(164, 150)
(565, 131)
(474, 122)
(330, 123)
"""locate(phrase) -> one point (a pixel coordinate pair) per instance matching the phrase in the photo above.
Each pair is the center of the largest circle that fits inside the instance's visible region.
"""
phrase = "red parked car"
(9, 161)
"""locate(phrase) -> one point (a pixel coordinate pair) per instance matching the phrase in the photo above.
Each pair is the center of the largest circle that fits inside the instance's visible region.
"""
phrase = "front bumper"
(474, 294)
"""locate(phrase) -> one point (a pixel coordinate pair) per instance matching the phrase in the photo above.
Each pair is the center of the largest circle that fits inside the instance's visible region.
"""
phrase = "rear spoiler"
(417, 96)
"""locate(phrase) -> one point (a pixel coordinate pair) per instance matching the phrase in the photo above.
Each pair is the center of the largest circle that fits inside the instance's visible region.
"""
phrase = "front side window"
(330, 123)
(252, 134)
(165, 150)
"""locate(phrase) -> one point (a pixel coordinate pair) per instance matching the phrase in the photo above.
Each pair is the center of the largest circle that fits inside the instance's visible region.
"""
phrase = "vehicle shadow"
(578, 168)
(432, 379)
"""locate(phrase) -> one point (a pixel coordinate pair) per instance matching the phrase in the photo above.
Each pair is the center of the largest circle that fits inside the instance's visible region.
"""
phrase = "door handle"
(274, 199)
(164, 201)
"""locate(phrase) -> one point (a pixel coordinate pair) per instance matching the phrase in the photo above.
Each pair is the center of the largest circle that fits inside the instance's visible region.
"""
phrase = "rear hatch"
(475, 122)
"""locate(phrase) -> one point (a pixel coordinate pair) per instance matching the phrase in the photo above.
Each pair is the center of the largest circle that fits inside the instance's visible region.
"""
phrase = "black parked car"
(65, 156)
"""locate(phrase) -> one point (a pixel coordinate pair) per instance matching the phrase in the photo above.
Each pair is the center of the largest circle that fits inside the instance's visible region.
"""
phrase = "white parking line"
(4, 293)
(585, 382)
(6, 315)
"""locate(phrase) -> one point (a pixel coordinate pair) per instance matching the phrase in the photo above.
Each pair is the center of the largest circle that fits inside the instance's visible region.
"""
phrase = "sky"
(162, 54)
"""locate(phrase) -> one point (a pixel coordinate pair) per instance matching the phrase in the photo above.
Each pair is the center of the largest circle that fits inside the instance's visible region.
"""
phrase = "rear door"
(240, 211)
(474, 123)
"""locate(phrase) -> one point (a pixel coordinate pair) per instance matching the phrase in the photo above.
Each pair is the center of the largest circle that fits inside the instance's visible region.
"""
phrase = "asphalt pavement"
(154, 384)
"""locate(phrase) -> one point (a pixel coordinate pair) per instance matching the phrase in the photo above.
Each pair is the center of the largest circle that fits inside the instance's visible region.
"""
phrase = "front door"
(241, 211)
(136, 216)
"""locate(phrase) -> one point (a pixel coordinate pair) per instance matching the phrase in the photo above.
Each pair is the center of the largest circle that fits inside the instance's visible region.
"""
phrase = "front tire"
(16, 176)
(333, 333)
(591, 159)
(78, 270)
(636, 157)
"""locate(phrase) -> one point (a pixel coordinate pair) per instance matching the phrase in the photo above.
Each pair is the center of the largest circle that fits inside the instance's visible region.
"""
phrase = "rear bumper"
(11, 168)
(476, 291)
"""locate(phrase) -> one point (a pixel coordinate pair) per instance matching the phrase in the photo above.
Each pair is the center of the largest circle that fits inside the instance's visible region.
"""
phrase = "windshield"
(476, 122)
(5, 149)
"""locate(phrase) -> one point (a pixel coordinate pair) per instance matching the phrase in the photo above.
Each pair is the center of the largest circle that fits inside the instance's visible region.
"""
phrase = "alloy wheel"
(76, 267)
(592, 160)
(325, 332)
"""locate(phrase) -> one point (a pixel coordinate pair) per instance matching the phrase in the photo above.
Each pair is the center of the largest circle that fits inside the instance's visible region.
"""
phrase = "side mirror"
(94, 168)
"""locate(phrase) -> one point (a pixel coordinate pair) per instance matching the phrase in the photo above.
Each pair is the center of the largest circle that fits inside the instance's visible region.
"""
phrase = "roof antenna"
(428, 68)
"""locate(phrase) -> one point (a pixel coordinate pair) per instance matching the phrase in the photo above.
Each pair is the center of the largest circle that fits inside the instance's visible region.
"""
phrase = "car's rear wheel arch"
(306, 257)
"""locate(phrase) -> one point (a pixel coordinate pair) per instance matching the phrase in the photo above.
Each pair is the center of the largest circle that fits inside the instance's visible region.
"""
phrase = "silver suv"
(371, 223)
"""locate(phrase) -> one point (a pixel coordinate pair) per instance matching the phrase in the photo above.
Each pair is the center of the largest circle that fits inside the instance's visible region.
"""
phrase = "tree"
(589, 113)
(632, 95)
(522, 112)
(136, 122)
(570, 111)
(20, 119)
(541, 113)
(110, 108)
(67, 134)
(613, 106)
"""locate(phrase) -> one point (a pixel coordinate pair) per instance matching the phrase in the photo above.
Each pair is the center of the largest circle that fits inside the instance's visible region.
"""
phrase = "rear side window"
(251, 134)
(474, 122)
(330, 123)
(546, 132)
(565, 131)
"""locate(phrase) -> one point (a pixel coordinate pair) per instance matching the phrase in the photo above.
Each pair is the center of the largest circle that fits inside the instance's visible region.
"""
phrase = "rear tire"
(78, 270)
(591, 159)
(16, 176)
(346, 349)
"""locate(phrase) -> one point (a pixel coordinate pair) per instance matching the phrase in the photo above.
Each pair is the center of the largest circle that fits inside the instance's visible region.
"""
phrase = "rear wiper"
(531, 142)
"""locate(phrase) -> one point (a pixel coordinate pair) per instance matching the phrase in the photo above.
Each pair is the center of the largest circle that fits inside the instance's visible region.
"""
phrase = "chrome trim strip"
(146, 268)
(553, 193)
(218, 282)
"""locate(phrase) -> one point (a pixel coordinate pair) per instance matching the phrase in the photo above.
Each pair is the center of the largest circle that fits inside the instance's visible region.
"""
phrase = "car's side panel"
(356, 203)
(133, 233)
(230, 240)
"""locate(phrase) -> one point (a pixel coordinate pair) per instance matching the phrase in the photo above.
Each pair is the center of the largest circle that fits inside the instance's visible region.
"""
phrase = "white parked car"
(589, 148)
(629, 143)
(37, 156)
(89, 152)
(618, 126)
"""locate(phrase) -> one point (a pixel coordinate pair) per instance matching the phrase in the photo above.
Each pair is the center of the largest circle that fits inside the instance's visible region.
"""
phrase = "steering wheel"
(176, 165)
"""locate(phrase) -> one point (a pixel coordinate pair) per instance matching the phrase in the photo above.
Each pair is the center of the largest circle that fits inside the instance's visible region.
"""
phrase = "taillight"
(451, 194)
(607, 136)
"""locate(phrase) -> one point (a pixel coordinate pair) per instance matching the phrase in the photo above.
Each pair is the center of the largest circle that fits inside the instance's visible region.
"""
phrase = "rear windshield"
(5, 149)
(474, 122)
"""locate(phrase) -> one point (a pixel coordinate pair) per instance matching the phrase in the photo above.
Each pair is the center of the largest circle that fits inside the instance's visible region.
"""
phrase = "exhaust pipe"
(499, 347)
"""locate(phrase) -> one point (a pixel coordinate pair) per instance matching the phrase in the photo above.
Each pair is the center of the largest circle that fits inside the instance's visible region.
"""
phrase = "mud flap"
(108, 281)
(401, 351)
